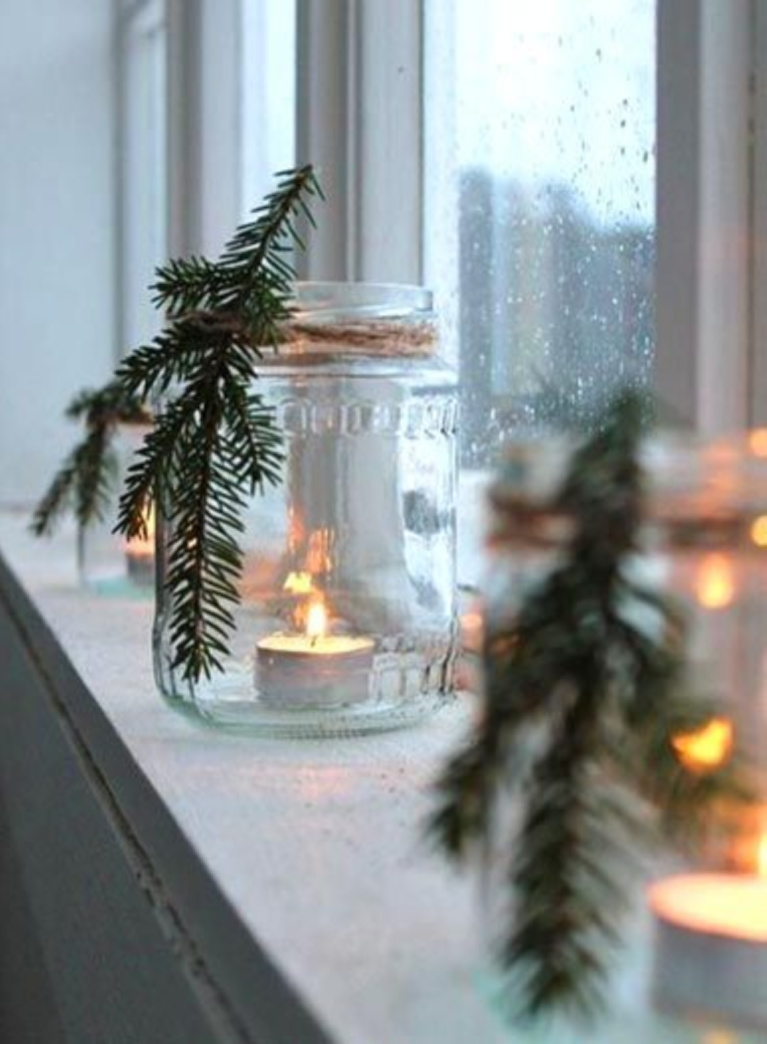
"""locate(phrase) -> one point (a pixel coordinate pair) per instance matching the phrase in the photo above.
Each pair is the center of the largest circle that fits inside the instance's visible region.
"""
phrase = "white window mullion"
(703, 315)
(388, 179)
(322, 125)
(141, 197)
(359, 103)
(204, 123)
(182, 183)
(759, 210)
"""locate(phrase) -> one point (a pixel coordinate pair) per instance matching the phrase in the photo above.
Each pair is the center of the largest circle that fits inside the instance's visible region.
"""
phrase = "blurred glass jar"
(108, 563)
(347, 616)
(704, 543)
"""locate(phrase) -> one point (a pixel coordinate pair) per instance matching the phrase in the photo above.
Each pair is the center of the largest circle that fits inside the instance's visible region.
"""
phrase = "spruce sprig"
(215, 441)
(86, 477)
(581, 704)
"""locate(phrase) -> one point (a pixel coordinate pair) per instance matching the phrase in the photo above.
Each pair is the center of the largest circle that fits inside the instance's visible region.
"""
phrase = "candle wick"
(313, 641)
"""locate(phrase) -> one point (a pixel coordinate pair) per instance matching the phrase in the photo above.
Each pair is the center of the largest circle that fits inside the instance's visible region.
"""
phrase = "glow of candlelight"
(706, 748)
(761, 856)
(759, 531)
(733, 905)
(757, 442)
(143, 546)
(299, 583)
(715, 583)
(316, 621)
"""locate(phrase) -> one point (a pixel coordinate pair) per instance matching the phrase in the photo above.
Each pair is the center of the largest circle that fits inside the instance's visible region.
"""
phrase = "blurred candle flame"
(757, 442)
(143, 546)
(299, 583)
(715, 582)
(759, 531)
(316, 621)
(706, 748)
(761, 856)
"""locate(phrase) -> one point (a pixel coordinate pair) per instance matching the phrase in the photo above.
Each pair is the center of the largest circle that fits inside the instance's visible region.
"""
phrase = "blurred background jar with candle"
(109, 564)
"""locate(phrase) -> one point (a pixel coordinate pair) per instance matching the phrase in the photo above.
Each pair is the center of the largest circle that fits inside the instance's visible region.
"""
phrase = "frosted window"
(540, 183)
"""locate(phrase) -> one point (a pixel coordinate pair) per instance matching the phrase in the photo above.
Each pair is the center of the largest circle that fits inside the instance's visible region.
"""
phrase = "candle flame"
(316, 621)
(706, 748)
(715, 583)
(299, 583)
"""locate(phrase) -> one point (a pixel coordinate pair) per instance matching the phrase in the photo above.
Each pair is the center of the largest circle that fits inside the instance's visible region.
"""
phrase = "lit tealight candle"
(711, 944)
(139, 553)
(707, 747)
(715, 582)
(299, 671)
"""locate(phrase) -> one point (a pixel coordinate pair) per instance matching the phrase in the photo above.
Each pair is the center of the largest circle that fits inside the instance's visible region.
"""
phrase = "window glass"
(540, 184)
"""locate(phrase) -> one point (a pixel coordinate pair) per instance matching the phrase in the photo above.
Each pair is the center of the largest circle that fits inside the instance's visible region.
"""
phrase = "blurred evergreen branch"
(580, 707)
(87, 475)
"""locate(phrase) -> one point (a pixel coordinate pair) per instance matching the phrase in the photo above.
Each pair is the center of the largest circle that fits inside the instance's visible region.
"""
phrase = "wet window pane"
(540, 182)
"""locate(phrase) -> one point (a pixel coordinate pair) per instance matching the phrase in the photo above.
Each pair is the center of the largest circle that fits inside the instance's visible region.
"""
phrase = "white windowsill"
(315, 846)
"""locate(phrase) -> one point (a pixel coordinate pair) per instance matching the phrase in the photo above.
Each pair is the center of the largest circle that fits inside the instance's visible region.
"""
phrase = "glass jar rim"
(337, 301)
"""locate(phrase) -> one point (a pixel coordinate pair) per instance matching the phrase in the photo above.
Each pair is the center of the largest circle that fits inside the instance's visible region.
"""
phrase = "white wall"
(56, 226)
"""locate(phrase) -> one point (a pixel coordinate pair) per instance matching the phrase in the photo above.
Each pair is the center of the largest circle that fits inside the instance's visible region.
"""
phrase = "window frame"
(137, 22)
(359, 98)
(706, 352)
(710, 368)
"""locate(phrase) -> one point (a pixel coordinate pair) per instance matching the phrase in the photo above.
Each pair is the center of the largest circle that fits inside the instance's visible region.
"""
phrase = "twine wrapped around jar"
(338, 340)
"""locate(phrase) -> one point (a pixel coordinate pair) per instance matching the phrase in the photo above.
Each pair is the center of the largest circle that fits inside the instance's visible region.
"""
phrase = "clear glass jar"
(347, 619)
(704, 543)
(109, 564)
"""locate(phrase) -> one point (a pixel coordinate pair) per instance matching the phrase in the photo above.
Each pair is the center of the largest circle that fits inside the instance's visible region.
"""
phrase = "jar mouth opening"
(333, 302)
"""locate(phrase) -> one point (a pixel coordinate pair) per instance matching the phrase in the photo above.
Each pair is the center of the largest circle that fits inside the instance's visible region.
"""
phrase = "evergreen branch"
(216, 441)
(186, 285)
(86, 477)
(257, 246)
(580, 709)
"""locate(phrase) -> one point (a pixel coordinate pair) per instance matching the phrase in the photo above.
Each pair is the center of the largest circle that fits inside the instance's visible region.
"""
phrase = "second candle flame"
(715, 582)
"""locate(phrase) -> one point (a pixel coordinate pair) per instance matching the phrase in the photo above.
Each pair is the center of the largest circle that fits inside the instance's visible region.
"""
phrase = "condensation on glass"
(540, 181)
(347, 621)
